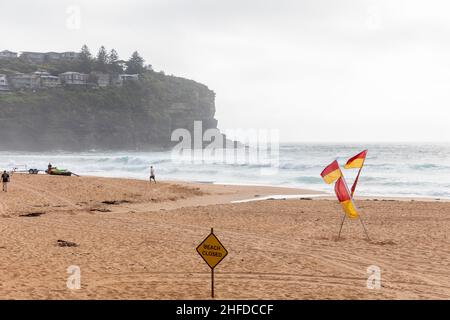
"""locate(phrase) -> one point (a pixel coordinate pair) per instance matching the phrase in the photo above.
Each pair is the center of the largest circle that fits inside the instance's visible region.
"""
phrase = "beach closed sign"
(212, 251)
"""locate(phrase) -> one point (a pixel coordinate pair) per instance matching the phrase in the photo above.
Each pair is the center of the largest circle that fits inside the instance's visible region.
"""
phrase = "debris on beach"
(384, 242)
(64, 243)
(32, 214)
(100, 210)
(112, 202)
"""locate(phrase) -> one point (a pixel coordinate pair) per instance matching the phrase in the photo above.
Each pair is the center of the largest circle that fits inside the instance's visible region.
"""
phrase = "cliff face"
(138, 116)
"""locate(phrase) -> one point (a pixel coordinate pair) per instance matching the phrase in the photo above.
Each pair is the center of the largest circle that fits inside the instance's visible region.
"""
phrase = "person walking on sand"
(152, 174)
(5, 180)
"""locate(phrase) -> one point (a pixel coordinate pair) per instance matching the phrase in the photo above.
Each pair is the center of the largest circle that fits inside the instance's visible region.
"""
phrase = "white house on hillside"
(73, 78)
(3, 83)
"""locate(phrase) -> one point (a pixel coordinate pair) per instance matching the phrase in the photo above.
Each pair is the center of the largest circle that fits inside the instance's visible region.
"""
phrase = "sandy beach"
(137, 241)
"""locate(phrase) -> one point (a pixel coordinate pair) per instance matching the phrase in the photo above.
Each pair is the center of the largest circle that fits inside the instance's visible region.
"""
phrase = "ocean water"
(409, 170)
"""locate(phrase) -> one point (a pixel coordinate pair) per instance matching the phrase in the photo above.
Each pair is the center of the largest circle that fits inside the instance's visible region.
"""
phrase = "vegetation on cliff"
(104, 61)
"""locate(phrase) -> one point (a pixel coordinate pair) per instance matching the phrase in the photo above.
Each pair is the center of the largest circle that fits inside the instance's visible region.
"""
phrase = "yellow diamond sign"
(212, 251)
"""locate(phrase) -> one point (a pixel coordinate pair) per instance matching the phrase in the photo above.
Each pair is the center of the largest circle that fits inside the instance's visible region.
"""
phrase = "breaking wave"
(390, 169)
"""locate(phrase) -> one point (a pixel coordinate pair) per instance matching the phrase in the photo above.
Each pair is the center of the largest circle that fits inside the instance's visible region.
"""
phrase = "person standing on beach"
(152, 174)
(5, 180)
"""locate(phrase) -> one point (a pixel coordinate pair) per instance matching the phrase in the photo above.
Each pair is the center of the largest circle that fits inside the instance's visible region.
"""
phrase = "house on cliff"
(47, 80)
(35, 57)
(69, 55)
(6, 54)
(25, 81)
(4, 86)
(73, 78)
(41, 57)
(122, 78)
(52, 56)
(35, 80)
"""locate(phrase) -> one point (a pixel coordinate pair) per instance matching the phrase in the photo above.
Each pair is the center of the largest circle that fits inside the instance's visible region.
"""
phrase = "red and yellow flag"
(356, 161)
(343, 195)
(331, 173)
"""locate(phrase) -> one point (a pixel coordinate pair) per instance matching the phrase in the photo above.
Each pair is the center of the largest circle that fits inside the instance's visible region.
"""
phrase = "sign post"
(212, 251)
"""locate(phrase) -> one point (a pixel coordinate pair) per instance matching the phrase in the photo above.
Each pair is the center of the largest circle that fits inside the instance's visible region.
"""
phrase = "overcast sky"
(317, 70)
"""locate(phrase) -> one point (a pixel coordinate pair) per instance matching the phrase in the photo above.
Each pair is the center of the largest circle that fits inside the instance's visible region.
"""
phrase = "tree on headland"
(101, 63)
(113, 56)
(85, 60)
(135, 65)
(114, 62)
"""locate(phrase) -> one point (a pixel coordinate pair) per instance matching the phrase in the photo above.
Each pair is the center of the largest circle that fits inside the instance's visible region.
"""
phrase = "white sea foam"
(405, 170)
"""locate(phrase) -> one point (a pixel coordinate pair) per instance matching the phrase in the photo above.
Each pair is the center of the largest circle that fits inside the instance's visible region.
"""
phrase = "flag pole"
(357, 177)
(212, 274)
(361, 220)
(364, 227)
(212, 282)
(343, 218)
(353, 191)
(356, 181)
(354, 204)
(340, 229)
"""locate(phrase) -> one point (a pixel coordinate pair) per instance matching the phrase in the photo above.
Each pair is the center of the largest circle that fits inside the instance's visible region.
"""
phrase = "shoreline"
(292, 192)
(303, 191)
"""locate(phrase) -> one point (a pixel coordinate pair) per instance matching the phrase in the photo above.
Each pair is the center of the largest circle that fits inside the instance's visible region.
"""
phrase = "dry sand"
(141, 243)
